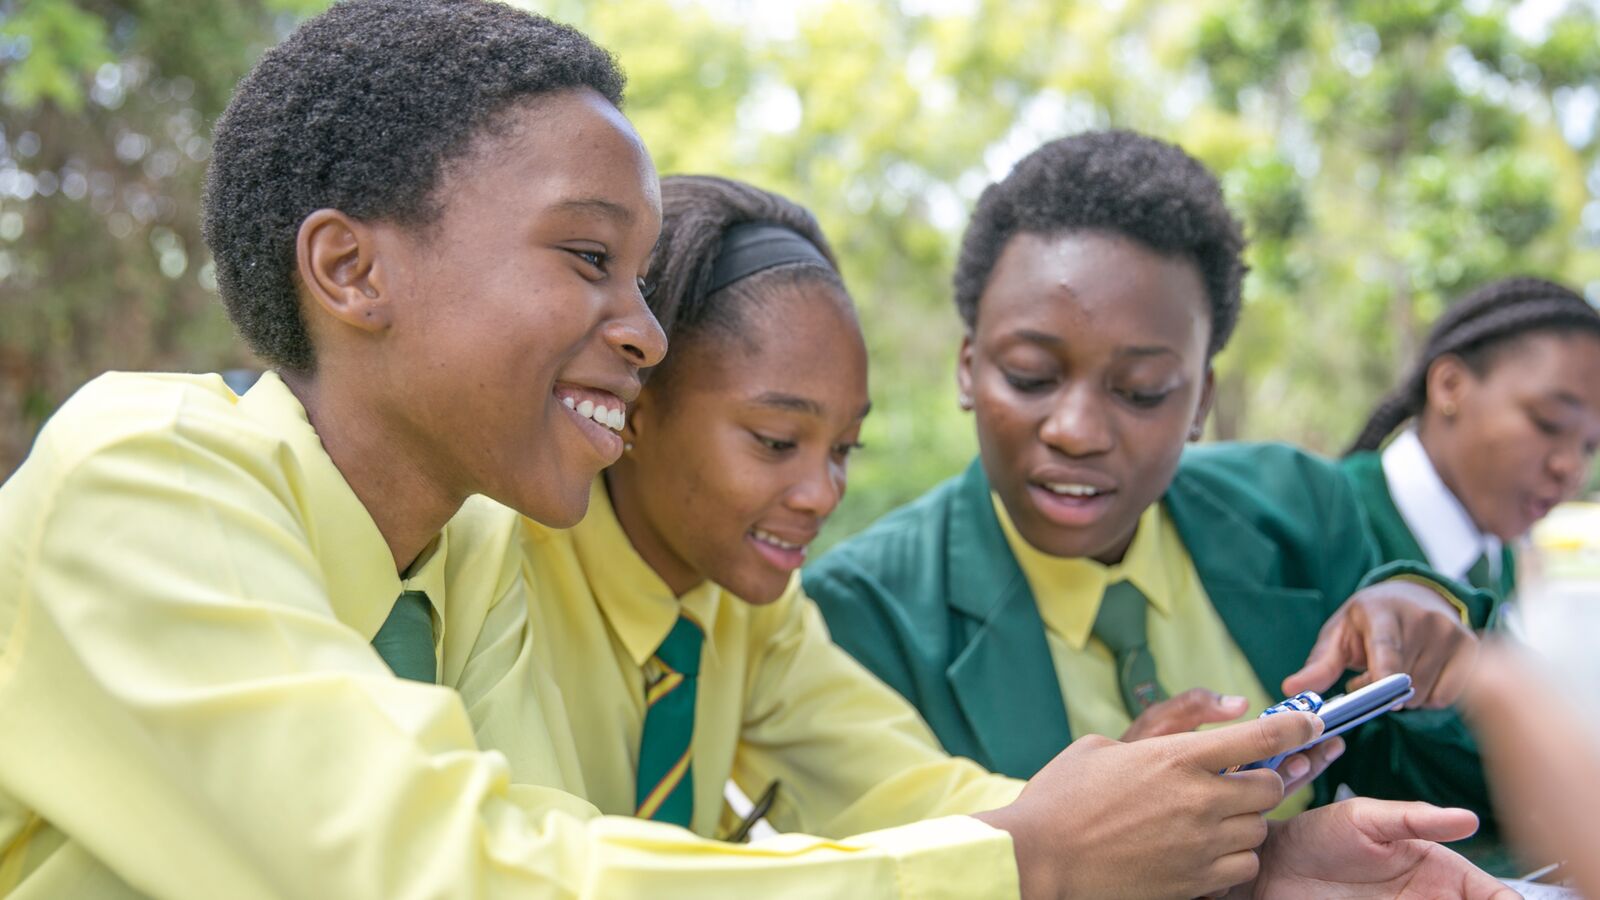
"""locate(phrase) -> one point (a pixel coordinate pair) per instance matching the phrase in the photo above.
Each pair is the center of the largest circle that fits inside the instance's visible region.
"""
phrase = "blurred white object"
(1558, 600)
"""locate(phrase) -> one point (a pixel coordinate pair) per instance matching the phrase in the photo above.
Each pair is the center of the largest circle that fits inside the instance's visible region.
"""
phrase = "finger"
(1384, 642)
(1246, 793)
(1198, 706)
(1248, 742)
(1327, 661)
(1185, 712)
(1229, 871)
(1388, 821)
(1425, 670)
(1456, 675)
(1318, 759)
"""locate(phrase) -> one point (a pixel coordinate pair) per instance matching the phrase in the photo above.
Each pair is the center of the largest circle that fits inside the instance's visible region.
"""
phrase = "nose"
(635, 333)
(820, 491)
(1079, 423)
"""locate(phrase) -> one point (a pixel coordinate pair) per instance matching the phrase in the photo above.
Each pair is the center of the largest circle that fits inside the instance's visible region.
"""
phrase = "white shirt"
(1436, 517)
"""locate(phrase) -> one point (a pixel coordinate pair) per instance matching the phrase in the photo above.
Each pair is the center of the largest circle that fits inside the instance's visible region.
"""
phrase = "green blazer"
(1458, 778)
(1394, 537)
(931, 599)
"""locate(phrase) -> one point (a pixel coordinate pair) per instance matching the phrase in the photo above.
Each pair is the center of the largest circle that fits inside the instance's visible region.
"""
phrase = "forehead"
(566, 152)
(1094, 288)
(802, 340)
(1551, 364)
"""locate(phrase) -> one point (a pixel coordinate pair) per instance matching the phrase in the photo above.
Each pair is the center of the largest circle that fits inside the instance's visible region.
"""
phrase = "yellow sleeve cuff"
(1437, 588)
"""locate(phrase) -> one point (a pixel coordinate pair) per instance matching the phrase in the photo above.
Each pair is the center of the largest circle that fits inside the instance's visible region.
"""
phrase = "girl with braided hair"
(1503, 407)
(1501, 417)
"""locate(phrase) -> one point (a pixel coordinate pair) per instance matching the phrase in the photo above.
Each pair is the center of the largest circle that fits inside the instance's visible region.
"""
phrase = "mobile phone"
(1342, 713)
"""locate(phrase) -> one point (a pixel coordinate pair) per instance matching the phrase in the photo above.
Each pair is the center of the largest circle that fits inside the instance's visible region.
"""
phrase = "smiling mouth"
(600, 415)
(780, 553)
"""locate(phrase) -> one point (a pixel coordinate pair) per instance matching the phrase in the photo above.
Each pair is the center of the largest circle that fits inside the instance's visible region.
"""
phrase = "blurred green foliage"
(1386, 155)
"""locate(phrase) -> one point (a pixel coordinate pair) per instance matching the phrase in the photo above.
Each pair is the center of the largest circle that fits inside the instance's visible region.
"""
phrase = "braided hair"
(697, 210)
(1473, 330)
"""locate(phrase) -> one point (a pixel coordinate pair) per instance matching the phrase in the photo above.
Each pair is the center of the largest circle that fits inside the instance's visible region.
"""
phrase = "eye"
(843, 451)
(1025, 383)
(597, 259)
(1546, 426)
(776, 445)
(1144, 399)
(647, 287)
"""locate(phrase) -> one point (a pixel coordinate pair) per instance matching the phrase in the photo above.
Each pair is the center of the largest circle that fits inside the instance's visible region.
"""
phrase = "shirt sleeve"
(182, 705)
(850, 754)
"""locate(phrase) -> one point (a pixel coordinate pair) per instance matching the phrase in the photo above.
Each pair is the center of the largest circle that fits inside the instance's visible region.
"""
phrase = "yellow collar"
(1068, 590)
(639, 606)
(363, 584)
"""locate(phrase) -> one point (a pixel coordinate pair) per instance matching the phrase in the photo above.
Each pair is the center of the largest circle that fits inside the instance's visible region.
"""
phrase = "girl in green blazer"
(1096, 282)
(1503, 417)
(1498, 422)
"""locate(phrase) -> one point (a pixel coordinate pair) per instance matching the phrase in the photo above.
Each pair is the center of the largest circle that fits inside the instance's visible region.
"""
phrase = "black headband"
(751, 247)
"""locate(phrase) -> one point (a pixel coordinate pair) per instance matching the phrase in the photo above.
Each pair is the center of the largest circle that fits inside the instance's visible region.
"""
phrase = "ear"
(1208, 396)
(337, 261)
(964, 378)
(1449, 379)
(633, 423)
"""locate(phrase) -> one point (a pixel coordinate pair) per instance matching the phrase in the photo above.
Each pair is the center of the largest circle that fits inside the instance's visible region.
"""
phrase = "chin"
(562, 511)
(758, 591)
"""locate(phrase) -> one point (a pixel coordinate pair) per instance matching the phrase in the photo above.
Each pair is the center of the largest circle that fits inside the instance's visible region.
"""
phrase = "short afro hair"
(360, 110)
(1118, 182)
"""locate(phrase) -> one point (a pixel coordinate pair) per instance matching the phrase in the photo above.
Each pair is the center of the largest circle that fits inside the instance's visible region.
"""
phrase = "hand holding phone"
(1340, 714)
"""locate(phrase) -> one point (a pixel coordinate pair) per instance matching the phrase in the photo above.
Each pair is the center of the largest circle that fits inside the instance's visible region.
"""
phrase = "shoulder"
(1260, 474)
(123, 407)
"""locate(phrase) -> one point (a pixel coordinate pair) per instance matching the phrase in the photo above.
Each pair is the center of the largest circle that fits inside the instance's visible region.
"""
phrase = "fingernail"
(1334, 749)
(1233, 700)
(1298, 766)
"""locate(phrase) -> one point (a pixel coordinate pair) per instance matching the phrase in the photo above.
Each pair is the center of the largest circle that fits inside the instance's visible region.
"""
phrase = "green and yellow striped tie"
(665, 790)
(406, 639)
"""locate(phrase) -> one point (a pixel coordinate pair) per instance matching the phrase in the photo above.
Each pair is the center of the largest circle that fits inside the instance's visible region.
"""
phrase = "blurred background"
(1386, 155)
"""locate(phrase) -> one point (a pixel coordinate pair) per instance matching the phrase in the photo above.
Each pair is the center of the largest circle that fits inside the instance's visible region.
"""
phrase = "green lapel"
(1240, 568)
(1003, 677)
(1364, 471)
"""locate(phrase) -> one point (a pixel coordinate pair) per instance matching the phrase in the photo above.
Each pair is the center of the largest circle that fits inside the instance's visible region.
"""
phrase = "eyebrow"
(594, 206)
(796, 403)
(1055, 340)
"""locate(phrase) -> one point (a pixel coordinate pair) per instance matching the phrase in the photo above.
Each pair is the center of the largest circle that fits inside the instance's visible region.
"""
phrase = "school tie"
(406, 639)
(1478, 575)
(665, 790)
(1120, 625)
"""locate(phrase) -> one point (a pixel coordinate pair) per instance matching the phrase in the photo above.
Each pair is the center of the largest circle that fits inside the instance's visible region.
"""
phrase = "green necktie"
(1478, 575)
(406, 639)
(1120, 626)
(665, 789)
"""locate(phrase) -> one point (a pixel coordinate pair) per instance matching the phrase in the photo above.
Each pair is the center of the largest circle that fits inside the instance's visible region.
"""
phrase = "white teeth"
(775, 540)
(1072, 490)
(604, 415)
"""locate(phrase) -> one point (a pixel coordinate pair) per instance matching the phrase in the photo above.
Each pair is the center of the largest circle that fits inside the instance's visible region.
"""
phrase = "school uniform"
(775, 701)
(933, 599)
(1415, 516)
(193, 704)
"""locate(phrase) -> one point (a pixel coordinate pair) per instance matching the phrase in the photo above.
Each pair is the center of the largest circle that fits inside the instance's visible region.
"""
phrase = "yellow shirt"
(776, 699)
(190, 707)
(1191, 645)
